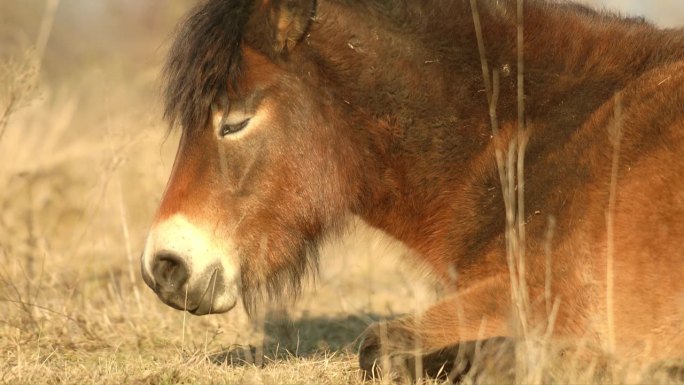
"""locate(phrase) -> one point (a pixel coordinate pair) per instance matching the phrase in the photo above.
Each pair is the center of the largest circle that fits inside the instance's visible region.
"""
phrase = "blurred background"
(84, 157)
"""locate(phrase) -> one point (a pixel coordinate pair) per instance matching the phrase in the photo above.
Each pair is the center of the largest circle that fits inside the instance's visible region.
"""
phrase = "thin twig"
(45, 31)
(77, 322)
(482, 52)
(4, 118)
(615, 136)
(214, 277)
(521, 64)
(550, 228)
(185, 313)
(42, 39)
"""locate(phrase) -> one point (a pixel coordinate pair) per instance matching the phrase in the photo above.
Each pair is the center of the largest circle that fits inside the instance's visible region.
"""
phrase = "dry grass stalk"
(615, 136)
(533, 348)
(22, 77)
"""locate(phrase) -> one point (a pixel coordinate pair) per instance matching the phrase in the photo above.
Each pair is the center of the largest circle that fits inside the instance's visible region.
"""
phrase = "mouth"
(206, 300)
(216, 306)
(211, 300)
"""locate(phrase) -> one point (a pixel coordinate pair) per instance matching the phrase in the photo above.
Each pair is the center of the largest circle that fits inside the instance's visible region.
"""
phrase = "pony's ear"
(278, 25)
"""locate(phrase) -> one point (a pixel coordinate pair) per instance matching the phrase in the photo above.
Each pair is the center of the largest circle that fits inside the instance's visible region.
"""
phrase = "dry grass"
(80, 183)
(80, 180)
(83, 160)
(81, 170)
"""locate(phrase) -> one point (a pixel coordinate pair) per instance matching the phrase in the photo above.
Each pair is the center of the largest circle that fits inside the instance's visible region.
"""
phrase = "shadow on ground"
(301, 338)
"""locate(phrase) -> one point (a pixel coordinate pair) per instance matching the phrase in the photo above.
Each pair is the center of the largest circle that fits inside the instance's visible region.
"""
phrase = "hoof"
(370, 352)
(383, 352)
(388, 353)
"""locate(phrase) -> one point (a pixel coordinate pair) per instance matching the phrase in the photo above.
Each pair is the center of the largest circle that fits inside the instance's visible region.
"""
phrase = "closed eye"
(229, 129)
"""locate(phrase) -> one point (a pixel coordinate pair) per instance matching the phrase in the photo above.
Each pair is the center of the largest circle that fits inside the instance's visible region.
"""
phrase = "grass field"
(84, 157)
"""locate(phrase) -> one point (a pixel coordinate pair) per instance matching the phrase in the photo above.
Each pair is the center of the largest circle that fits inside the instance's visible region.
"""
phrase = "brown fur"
(378, 109)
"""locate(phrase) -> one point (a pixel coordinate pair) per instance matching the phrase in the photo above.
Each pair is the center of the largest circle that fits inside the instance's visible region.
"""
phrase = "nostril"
(170, 271)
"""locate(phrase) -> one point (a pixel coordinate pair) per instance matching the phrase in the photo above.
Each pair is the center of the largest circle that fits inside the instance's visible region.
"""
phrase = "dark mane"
(204, 58)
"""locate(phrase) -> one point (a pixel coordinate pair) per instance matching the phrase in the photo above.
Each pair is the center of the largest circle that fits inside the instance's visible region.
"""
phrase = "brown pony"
(299, 114)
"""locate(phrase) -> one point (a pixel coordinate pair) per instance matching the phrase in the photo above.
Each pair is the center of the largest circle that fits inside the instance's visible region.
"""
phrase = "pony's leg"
(493, 356)
(444, 338)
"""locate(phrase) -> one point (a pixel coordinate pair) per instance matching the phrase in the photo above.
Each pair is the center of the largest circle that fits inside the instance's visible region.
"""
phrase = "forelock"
(204, 59)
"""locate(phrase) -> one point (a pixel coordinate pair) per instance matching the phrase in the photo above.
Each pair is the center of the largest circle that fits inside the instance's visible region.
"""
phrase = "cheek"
(242, 168)
(229, 166)
(308, 179)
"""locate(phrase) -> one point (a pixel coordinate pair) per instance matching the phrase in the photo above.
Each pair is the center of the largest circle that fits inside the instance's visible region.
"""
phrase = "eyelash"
(229, 129)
